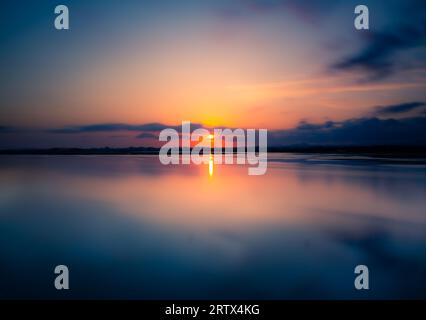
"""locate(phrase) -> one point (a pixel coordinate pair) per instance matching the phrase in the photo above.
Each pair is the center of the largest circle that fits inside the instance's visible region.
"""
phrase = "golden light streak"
(211, 166)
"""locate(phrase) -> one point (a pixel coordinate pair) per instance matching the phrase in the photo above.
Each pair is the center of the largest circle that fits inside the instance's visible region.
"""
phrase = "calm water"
(129, 227)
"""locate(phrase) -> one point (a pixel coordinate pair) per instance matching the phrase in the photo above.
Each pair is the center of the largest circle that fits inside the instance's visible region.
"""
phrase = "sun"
(211, 136)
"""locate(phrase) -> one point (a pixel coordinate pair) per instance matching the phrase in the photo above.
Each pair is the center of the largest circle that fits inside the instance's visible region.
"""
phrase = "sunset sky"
(126, 69)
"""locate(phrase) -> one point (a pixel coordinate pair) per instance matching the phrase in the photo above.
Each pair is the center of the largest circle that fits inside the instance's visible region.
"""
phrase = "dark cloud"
(304, 125)
(6, 129)
(399, 108)
(378, 58)
(147, 135)
(110, 127)
(360, 131)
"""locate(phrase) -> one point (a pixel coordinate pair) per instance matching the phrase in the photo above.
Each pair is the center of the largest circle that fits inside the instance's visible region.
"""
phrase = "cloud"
(360, 131)
(110, 127)
(147, 135)
(371, 129)
(379, 57)
(7, 129)
(399, 108)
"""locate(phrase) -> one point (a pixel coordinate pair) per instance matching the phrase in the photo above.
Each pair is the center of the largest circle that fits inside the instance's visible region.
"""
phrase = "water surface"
(129, 227)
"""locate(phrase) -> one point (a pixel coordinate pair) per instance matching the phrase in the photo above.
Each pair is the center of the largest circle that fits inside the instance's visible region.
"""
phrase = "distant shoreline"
(387, 151)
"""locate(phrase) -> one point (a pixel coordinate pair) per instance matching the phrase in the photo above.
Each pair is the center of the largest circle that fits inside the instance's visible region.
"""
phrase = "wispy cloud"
(110, 127)
(400, 108)
(326, 84)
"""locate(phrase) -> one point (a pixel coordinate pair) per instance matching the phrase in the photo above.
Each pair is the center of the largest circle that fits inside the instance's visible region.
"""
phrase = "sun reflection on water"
(211, 166)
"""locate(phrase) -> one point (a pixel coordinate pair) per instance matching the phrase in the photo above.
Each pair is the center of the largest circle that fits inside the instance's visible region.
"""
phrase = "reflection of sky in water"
(129, 227)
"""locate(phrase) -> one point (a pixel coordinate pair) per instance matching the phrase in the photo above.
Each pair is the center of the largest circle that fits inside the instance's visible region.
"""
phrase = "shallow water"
(129, 227)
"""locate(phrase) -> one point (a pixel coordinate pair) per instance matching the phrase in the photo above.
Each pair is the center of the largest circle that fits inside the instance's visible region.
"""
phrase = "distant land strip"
(379, 150)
